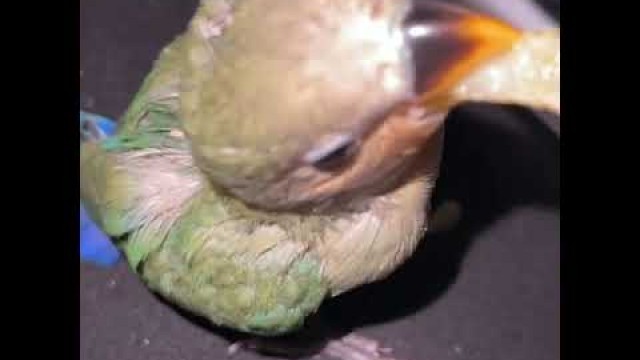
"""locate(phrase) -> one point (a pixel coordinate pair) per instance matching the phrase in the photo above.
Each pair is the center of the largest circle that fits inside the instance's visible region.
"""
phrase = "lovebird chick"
(284, 152)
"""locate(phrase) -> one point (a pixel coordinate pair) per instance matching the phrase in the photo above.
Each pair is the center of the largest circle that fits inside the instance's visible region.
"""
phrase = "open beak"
(450, 43)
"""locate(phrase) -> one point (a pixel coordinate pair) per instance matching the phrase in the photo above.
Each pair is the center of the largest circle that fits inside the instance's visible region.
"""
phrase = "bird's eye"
(332, 153)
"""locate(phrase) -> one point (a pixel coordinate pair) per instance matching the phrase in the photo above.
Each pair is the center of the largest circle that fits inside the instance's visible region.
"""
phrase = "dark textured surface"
(489, 290)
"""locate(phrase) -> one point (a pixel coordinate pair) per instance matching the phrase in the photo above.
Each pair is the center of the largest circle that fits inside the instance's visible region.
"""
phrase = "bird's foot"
(349, 347)
(357, 347)
(291, 349)
(237, 346)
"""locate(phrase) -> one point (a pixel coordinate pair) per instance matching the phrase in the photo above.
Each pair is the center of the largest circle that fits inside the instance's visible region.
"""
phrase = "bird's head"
(302, 104)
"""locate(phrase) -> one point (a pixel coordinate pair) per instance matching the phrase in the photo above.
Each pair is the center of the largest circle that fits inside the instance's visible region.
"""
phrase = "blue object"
(107, 127)
(95, 246)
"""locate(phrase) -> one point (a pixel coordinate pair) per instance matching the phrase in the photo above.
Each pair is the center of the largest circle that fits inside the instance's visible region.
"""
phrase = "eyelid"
(326, 148)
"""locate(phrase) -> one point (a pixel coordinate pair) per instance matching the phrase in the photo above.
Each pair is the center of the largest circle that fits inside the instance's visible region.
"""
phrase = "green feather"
(202, 250)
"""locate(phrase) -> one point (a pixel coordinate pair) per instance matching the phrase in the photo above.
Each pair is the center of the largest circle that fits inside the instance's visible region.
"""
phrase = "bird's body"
(256, 270)
(222, 185)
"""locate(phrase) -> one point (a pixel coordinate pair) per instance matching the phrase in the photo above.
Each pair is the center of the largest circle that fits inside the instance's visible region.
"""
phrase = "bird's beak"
(449, 44)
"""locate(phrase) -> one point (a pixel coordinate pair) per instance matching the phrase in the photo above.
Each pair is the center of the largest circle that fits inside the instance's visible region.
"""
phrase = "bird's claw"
(349, 347)
(357, 347)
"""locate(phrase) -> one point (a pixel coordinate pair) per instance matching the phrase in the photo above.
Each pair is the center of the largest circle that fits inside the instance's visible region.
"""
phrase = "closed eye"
(332, 153)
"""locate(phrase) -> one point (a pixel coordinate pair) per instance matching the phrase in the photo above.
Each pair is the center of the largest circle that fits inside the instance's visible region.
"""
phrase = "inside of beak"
(450, 43)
